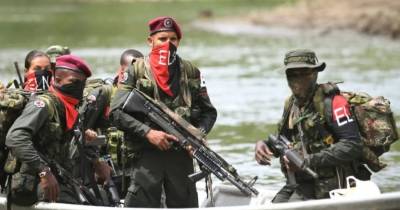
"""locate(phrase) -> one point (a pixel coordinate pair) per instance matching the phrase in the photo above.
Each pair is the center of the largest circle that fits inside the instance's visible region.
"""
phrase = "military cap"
(56, 50)
(73, 63)
(303, 58)
(164, 23)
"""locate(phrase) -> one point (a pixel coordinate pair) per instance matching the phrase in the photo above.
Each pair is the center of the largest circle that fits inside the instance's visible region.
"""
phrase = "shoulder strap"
(108, 91)
(187, 72)
(286, 114)
(323, 100)
(188, 69)
(139, 67)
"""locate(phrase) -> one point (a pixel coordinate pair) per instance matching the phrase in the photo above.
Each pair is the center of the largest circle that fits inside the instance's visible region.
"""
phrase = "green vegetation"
(26, 23)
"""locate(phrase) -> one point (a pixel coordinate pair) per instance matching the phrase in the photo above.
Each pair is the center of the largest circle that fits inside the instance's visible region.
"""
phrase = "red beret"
(164, 23)
(73, 63)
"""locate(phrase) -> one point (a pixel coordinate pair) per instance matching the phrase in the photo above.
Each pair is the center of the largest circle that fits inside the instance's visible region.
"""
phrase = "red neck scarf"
(71, 114)
(165, 66)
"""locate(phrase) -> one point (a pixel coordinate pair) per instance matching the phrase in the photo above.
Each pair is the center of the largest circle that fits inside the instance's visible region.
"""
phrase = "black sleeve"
(345, 130)
(20, 136)
(207, 113)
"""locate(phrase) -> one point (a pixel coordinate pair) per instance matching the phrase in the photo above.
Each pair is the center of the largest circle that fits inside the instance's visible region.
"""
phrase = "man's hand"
(102, 170)
(90, 135)
(263, 154)
(49, 185)
(160, 139)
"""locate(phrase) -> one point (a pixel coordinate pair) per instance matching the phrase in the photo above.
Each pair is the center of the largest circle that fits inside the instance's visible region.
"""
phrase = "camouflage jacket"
(192, 103)
(96, 104)
(41, 127)
(329, 146)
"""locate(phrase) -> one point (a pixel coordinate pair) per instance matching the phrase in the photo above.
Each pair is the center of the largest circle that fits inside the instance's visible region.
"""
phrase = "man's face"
(301, 82)
(40, 63)
(160, 38)
(64, 77)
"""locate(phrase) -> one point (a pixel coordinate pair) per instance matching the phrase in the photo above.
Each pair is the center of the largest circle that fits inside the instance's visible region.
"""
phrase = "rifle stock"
(187, 135)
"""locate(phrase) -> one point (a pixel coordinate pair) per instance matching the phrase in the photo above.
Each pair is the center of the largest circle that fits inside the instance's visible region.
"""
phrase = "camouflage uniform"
(95, 110)
(41, 127)
(152, 168)
(331, 147)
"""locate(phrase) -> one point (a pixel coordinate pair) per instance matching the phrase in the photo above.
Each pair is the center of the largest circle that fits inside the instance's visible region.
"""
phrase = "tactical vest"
(50, 139)
(316, 133)
(54, 139)
(114, 137)
(189, 86)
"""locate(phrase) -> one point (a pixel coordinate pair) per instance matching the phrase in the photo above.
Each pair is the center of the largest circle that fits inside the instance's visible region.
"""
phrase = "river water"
(242, 72)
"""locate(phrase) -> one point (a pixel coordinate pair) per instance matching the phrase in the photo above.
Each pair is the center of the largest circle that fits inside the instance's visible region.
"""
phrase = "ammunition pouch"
(11, 164)
(24, 188)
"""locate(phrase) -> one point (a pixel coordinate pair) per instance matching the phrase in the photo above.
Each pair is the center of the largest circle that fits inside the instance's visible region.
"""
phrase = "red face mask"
(165, 66)
(37, 80)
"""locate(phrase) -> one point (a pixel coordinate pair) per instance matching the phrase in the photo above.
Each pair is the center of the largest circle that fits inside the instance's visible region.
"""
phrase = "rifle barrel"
(170, 122)
(18, 73)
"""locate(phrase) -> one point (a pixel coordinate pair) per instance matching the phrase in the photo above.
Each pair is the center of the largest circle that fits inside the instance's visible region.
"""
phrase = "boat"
(229, 198)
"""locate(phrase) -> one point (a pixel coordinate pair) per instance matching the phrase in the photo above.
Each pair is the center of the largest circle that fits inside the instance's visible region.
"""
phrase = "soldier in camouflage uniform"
(37, 78)
(330, 147)
(164, 76)
(46, 126)
(95, 111)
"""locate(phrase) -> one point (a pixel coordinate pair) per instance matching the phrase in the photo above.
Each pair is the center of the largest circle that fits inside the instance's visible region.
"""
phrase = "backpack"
(11, 105)
(12, 102)
(375, 121)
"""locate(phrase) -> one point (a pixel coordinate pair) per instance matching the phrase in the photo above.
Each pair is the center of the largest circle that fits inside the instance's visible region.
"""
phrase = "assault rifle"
(89, 117)
(187, 135)
(21, 83)
(84, 195)
(280, 146)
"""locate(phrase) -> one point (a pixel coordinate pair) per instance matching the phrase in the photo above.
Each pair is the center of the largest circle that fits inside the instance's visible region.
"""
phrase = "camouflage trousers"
(158, 171)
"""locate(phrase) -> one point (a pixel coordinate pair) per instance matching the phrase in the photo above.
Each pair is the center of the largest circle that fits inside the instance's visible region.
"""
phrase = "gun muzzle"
(311, 172)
